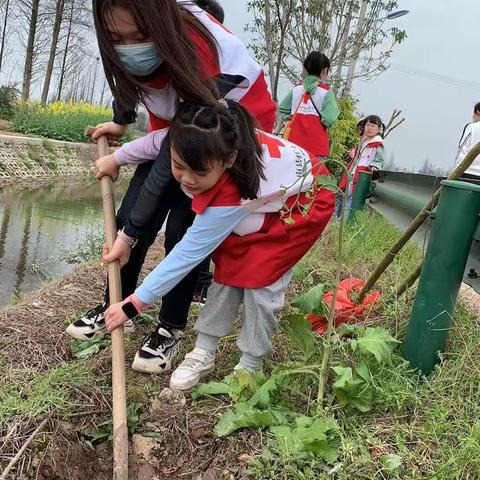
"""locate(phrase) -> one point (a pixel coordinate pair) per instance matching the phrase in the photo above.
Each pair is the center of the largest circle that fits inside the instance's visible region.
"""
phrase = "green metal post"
(442, 273)
(360, 194)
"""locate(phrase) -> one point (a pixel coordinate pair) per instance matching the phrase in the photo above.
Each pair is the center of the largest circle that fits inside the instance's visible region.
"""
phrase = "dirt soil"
(32, 340)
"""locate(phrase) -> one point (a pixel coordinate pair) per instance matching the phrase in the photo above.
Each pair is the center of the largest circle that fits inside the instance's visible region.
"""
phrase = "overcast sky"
(434, 78)
(443, 40)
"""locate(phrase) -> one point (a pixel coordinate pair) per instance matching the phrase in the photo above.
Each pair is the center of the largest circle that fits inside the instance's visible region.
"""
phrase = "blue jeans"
(339, 203)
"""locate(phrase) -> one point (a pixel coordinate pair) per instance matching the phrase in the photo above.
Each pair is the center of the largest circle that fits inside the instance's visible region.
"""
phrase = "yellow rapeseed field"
(64, 120)
(65, 108)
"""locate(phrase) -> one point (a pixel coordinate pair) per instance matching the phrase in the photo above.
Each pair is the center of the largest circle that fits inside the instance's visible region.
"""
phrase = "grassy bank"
(403, 428)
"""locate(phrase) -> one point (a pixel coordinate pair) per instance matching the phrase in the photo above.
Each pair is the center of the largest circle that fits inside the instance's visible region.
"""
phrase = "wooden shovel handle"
(119, 407)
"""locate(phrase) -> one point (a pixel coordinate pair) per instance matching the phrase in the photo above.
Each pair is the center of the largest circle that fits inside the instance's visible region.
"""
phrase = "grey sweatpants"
(258, 320)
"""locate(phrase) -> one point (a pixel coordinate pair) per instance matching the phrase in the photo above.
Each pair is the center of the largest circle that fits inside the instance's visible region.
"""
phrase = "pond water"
(45, 230)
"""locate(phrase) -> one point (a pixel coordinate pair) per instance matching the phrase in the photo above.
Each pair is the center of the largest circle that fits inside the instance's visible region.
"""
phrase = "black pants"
(175, 205)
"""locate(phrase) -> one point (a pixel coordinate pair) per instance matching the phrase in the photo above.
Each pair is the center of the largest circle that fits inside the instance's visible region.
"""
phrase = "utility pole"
(269, 46)
(356, 50)
(343, 50)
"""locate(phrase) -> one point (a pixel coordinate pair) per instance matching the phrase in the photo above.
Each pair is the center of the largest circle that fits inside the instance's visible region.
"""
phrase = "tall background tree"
(29, 11)
(56, 27)
(48, 49)
(6, 11)
(77, 58)
(353, 33)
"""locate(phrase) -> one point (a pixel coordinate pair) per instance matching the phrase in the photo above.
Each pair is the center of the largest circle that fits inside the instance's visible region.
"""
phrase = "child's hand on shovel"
(120, 251)
(115, 316)
(106, 166)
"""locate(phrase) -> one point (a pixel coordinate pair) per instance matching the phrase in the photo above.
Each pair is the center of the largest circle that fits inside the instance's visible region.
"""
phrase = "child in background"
(361, 128)
(241, 181)
(312, 107)
(369, 156)
(353, 151)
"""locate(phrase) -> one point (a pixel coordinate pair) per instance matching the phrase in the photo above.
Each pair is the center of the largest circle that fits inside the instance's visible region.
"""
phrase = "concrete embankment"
(25, 159)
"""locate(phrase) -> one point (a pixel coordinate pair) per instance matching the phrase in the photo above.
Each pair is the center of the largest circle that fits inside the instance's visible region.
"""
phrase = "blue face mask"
(139, 59)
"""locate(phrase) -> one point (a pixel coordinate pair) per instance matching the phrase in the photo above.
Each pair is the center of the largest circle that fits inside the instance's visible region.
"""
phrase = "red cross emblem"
(273, 145)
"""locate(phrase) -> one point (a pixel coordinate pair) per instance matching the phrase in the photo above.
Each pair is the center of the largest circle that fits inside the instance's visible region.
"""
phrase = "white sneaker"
(240, 367)
(197, 364)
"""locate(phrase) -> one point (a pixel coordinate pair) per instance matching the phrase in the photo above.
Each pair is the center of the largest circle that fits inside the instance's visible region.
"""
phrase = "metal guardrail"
(399, 196)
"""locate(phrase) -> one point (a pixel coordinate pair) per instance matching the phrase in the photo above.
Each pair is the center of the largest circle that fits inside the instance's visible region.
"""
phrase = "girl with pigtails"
(369, 156)
(242, 182)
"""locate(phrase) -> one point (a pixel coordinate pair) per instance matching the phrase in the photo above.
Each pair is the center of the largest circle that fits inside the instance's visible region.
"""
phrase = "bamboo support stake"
(456, 173)
(413, 277)
(119, 400)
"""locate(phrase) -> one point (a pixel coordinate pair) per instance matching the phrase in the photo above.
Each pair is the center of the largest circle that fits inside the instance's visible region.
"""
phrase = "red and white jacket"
(235, 67)
(368, 154)
(306, 127)
(252, 242)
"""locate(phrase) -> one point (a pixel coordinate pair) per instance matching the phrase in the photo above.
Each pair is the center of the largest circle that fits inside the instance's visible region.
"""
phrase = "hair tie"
(223, 102)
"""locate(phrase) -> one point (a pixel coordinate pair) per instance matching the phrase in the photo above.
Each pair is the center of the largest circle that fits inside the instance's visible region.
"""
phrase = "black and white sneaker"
(158, 350)
(92, 325)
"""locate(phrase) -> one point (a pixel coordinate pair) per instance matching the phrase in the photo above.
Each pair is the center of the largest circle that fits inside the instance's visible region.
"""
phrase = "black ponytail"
(201, 134)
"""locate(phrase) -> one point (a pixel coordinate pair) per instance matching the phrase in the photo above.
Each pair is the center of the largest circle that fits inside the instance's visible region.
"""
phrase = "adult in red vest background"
(312, 107)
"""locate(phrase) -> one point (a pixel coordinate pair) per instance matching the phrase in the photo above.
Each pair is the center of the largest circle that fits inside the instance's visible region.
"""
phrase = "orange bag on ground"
(345, 310)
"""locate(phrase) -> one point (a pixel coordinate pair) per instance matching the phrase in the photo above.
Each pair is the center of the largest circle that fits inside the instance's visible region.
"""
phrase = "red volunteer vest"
(307, 129)
(359, 167)
(259, 259)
